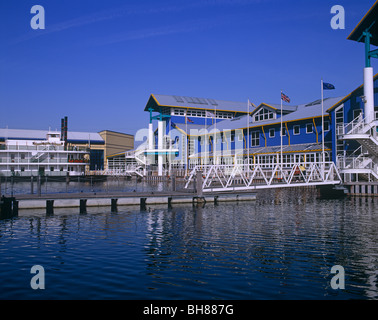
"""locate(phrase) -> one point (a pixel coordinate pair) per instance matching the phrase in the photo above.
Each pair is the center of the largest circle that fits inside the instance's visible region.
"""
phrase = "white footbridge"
(244, 177)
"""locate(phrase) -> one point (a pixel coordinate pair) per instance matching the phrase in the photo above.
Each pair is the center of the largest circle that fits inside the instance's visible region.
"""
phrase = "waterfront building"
(58, 153)
(197, 131)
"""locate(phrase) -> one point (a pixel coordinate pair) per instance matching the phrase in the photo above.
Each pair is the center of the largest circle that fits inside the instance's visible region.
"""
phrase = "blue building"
(199, 131)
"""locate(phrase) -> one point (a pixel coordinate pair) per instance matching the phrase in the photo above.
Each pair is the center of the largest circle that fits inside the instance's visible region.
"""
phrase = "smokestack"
(65, 132)
(62, 129)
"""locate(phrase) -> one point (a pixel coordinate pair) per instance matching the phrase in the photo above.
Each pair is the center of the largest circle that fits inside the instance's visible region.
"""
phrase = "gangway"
(220, 178)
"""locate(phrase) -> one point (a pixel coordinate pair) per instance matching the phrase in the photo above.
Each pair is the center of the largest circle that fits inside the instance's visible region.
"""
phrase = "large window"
(296, 130)
(309, 128)
(264, 114)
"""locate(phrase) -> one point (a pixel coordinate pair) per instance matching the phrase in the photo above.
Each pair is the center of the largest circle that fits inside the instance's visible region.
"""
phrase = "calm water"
(282, 246)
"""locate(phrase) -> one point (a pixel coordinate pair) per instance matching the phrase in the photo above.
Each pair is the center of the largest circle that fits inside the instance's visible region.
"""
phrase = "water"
(282, 246)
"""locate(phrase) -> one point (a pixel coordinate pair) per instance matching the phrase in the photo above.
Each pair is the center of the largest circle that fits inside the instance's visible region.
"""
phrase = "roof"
(348, 96)
(25, 134)
(156, 101)
(306, 147)
(285, 108)
(369, 22)
(304, 111)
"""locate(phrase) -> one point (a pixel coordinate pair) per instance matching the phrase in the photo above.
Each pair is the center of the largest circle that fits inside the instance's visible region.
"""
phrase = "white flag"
(209, 114)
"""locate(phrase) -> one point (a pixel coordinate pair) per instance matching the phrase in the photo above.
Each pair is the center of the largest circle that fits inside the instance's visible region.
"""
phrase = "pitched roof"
(156, 101)
(25, 134)
(370, 23)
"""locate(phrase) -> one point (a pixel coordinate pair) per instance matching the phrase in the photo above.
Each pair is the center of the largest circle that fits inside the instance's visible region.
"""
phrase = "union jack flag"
(285, 97)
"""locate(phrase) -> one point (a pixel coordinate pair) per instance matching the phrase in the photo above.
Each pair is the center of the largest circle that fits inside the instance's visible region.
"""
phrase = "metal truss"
(217, 178)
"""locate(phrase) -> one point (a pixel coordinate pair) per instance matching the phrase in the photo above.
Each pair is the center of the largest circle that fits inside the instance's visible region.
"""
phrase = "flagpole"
(281, 132)
(323, 154)
(215, 137)
(205, 144)
(248, 135)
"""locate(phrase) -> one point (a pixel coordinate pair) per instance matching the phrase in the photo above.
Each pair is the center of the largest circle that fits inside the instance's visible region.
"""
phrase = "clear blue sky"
(97, 62)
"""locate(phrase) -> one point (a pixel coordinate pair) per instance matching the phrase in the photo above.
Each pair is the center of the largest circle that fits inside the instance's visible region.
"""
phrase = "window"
(356, 113)
(51, 168)
(255, 139)
(179, 112)
(272, 133)
(326, 126)
(296, 130)
(283, 131)
(22, 156)
(309, 128)
(232, 136)
(264, 114)
(22, 169)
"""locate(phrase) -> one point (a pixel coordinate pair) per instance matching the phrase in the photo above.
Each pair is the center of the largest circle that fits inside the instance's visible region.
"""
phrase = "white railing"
(254, 176)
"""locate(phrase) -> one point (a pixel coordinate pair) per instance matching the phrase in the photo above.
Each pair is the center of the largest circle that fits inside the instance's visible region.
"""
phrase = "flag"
(209, 114)
(328, 86)
(173, 125)
(189, 120)
(285, 97)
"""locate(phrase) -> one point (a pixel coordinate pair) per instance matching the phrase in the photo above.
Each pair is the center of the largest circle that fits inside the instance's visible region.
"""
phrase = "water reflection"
(280, 247)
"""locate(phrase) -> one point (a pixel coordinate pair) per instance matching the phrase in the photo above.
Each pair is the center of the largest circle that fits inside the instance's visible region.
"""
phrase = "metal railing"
(254, 176)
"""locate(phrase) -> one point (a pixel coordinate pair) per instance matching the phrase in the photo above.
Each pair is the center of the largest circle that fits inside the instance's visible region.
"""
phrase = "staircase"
(366, 135)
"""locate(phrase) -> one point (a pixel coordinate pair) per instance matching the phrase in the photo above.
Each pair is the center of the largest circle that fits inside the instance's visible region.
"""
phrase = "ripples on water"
(280, 247)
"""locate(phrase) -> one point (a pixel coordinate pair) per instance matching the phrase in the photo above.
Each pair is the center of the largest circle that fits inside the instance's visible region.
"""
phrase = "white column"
(369, 94)
(160, 146)
(150, 136)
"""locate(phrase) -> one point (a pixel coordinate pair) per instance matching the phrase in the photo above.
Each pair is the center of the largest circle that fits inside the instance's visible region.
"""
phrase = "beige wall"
(116, 142)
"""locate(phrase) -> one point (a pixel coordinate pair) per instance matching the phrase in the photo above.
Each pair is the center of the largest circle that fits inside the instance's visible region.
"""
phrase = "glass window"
(272, 133)
(309, 128)
(296, 130)
(255, 139)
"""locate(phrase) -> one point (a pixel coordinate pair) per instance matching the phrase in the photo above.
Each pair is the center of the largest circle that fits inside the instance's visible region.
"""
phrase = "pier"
(144, 200)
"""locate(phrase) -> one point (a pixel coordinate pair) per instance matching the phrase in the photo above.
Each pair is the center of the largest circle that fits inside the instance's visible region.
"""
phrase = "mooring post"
(39, 185)
(114, 205)
(31, 185)
(49, 207)
(83, 206)
(173, 182)
(199, 184)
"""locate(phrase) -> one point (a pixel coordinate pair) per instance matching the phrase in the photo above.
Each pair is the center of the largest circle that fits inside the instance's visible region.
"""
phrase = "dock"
(144, 200)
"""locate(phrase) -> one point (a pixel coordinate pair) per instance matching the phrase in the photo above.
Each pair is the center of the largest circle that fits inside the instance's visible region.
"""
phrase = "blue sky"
(97, 62)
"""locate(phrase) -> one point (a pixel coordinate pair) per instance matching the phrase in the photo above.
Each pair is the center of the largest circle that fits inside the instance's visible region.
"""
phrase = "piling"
(8, 208)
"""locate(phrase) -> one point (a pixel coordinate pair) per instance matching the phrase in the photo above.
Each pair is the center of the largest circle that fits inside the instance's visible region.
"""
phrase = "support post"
(369, 94)
(160, 146)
